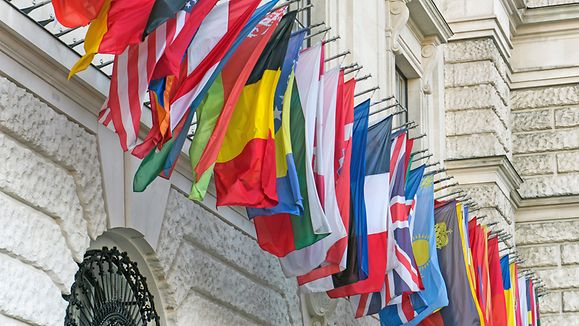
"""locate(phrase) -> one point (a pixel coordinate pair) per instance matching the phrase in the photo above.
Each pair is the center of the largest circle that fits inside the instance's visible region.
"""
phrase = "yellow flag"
(92, 41)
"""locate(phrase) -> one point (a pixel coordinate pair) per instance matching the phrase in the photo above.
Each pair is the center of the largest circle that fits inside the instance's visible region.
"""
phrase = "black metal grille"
(109, 291)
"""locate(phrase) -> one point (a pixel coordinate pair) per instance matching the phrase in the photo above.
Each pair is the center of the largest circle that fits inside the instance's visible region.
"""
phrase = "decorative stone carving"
(320, 306)
(399, 15)
(430, 54)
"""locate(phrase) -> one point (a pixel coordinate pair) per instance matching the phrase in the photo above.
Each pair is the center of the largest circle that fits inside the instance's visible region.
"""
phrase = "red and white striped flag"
(133, 69)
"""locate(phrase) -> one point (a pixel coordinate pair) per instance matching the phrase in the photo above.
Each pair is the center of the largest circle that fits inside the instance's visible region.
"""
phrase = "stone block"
(483, 96)
(475, 73)
(547, 232)
(532, 120)
(550, 303)
(469, 146)
(568, 162)
(30, 177)
(560, 278)
(475, 50)
(476, 122)
(198, 310)
(544, 97)
(541, 256)
(545, 141)
(570, 253)
(187, 223)
(535, 164)
(47, 251)
(548, 186)
(490, 196)
(559, 320)
(571, 301)
(568, 117)
(29, 295)
(227, 285)
(546, 3)
(52, 134)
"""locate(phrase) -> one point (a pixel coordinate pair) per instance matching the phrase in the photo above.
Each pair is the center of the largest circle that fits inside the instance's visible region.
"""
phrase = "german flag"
(245, 171)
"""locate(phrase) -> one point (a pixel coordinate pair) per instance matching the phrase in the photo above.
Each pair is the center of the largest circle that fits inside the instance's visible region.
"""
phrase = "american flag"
(132, 73)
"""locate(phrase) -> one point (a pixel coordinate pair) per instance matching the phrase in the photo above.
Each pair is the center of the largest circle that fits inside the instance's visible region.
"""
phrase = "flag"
(245, 171)
(303, 261)
(522, 283)
(424, 241)
(287, 183)
(532, 303)
(157, 160)
(376, 192)
(342, 161)
(357, 251)
(216, 110)
(514, 269)
(131, 75)
(461, 309)
(119, 24)
(283, 234)
(478, 244)
(75, 13)
(395, 290)
(213, 38)
(509, 291)
(163, 10)
(404, 275)
(499, 305)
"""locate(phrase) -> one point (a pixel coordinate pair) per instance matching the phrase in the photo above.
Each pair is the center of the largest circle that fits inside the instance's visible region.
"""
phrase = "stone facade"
(501, 120)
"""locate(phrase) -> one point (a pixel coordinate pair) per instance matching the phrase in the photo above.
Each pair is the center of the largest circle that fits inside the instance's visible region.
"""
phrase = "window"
(401, 94)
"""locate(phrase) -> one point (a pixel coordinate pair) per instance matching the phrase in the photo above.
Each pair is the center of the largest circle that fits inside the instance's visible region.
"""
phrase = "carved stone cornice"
(430, 53)
(493, 169)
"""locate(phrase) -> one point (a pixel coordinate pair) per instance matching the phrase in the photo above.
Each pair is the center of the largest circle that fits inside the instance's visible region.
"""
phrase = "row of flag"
(333, 197)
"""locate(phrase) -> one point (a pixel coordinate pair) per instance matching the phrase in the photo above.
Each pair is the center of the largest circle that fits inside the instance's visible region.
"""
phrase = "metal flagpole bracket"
(423, 157)
(382, 100)
(317, 33)
(353, 70)
(367, 91)
(445, 187)
(305, 8)
(283, 5)
(443, 179)
(353, 65)
(317, 25)
(335, 38)
(343, 54)
(363, 78)
(418, 137)
(420, 152)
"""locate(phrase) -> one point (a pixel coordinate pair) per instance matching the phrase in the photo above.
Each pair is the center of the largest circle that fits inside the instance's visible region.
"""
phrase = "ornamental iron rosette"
(109, 291)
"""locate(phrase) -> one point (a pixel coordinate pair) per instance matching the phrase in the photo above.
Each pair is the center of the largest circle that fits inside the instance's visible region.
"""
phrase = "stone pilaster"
(478, 127)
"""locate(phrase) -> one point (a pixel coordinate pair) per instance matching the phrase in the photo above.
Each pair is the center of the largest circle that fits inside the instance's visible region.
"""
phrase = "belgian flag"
(245, 171)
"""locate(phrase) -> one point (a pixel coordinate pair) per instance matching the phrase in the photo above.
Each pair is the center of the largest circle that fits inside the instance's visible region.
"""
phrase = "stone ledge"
(55, 136)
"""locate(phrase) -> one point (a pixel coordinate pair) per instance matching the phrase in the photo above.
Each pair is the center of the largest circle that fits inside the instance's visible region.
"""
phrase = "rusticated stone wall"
(546, 140)
(51, 205)
(546, 153)
(478, 122)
